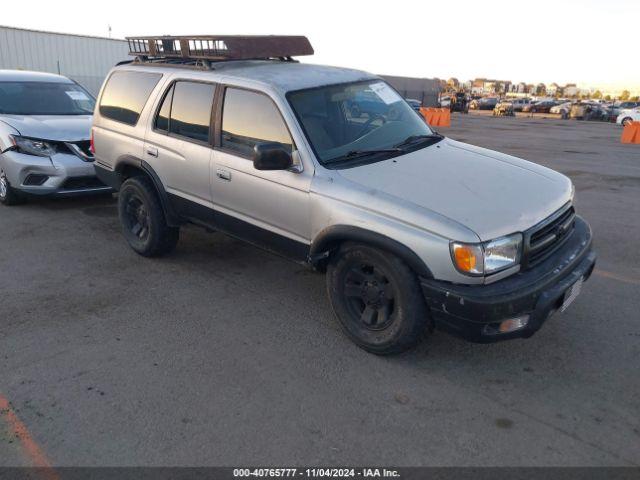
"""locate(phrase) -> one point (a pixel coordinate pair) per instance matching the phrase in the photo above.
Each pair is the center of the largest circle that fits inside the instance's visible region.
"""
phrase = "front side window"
(44, 98)
(125, 95)
(350, 121)
(249, 118)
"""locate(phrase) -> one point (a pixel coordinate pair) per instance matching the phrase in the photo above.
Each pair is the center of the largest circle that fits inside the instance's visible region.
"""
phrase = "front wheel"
(8, 196)
(143, 221)
(377, 299)
(627, 121)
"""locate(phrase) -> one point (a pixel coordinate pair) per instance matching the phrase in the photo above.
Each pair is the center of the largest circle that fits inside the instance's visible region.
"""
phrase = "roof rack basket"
(219, 47)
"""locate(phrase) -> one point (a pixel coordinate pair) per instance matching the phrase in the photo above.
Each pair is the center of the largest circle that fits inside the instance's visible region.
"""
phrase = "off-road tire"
(142, 218)
(402, 323)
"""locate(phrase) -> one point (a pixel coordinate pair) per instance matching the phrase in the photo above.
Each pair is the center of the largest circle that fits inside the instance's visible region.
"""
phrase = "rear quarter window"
(125, 95)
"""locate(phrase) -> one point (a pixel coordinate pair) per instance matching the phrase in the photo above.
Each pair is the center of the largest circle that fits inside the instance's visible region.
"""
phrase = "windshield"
(44, 98)
(355, 117)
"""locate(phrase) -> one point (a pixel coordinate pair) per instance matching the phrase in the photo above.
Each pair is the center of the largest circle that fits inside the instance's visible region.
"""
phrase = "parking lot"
(222, 354)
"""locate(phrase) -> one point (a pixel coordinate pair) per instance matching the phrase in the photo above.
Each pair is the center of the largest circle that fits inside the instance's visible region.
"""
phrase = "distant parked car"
(45, 125)
(415, 104)
(628, 115)
(562, 109)
(588, 111)
(617, 108)
(485, 103)
(542, 106)
(520, 103)
(445, 102)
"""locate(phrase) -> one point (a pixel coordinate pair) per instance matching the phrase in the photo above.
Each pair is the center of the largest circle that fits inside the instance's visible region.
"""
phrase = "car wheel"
(8, 196)
(377, 299)
(627, 121)
(143, 221)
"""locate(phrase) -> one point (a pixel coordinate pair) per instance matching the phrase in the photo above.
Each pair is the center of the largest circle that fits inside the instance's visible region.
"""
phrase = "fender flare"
(173, 219)
(328, 240)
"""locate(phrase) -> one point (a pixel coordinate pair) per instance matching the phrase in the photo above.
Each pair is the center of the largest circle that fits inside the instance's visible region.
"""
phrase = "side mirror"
(271, 156)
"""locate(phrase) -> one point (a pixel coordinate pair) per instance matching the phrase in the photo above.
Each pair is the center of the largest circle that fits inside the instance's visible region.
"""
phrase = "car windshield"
(44, 98)
(350, 120)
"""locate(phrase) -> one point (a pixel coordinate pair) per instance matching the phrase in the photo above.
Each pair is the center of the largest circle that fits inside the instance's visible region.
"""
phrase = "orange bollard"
(631, 133)
(445, 117)
(436, 117)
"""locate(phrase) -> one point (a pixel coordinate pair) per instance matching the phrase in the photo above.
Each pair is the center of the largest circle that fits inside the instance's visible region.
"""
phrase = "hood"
(491, 193)
(66, 128)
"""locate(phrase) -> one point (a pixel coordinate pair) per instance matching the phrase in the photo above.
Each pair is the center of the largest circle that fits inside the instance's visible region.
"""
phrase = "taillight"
(92, 147)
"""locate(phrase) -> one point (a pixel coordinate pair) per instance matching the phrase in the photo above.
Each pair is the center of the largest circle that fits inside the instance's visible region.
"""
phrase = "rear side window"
(249, 118)
(125, 94)
(190, 112)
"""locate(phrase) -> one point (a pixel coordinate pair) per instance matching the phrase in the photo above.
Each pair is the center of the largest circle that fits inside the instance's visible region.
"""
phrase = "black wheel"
(627, 121)
(142, 218)
(377, 299)
(8, 196)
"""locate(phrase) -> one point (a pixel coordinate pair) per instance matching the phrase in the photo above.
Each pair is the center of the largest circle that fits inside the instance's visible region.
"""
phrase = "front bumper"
(66, 174)
(466, 310)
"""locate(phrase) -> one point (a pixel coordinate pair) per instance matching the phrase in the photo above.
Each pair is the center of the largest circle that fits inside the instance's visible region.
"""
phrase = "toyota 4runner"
(414, 230)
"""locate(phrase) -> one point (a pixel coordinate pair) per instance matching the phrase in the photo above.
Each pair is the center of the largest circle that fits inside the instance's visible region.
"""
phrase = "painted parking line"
(18, 430)
(615, 276)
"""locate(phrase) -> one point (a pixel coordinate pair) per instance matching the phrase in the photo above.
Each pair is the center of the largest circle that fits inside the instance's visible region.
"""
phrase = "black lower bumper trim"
(465, 310)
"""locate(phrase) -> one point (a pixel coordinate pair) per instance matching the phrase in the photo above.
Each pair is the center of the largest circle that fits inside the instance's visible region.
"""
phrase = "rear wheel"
(143, 221)
(627, 121)
(377, 299)
(8, 196)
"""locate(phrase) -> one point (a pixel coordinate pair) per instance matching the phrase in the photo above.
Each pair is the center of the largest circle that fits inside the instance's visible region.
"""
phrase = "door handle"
(223, 174)
(153, 151)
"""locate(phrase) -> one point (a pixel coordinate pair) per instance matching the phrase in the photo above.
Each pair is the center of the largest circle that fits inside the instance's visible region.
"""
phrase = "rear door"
(178, 144)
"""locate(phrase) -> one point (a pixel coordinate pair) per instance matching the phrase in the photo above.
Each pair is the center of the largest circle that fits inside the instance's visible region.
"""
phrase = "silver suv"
(413, 229)
(45, 121)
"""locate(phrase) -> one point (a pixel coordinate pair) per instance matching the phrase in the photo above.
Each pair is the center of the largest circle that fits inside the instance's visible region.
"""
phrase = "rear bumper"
(60, 175)
(473, 311)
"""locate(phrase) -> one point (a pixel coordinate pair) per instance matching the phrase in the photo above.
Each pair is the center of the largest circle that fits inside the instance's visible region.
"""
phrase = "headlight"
(33, 146)
(477, 259)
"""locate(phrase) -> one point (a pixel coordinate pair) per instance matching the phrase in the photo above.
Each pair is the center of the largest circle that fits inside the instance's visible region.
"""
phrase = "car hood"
(68, 128)
(491, 193)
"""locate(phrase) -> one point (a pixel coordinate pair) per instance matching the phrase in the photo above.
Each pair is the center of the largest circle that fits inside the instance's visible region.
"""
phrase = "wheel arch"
(329, 240)
(129, 166)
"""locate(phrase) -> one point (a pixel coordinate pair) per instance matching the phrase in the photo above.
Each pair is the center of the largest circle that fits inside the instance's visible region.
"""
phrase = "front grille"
(84, 146)
(546, 237)
(80, 183)
(80, 149)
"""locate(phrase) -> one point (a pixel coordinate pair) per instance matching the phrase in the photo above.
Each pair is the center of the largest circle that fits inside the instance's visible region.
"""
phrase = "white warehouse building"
(84, 59)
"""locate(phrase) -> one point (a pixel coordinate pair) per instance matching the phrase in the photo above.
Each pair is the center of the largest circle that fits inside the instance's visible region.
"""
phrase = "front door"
(269, 208)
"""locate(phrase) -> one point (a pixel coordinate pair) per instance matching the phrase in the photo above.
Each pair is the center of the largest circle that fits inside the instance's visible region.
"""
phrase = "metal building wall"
(84, 59)
(424, 89)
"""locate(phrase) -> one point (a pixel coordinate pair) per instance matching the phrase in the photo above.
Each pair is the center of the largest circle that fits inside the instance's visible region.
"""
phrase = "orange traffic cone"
(631, 133)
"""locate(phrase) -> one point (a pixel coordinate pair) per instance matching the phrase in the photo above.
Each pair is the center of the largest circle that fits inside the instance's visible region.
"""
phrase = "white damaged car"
(45, 123)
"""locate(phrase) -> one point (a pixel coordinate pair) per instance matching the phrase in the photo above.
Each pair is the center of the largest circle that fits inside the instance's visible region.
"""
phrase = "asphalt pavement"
(223, 354)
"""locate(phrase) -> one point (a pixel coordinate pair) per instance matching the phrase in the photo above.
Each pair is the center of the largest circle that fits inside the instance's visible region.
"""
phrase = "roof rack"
(190, 49)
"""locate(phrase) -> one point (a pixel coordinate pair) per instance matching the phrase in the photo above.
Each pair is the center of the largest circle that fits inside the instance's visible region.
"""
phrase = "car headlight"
(33, 146)
(485, 258)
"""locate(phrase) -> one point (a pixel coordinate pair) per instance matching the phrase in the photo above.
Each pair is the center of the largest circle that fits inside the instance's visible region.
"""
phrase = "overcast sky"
(591, 42)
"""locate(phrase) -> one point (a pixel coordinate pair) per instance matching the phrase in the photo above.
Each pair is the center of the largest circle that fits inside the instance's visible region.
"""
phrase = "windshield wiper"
(363, 153)
(419, 139)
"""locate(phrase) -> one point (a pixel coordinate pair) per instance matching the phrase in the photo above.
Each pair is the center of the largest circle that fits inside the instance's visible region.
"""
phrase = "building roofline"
(63, 34)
